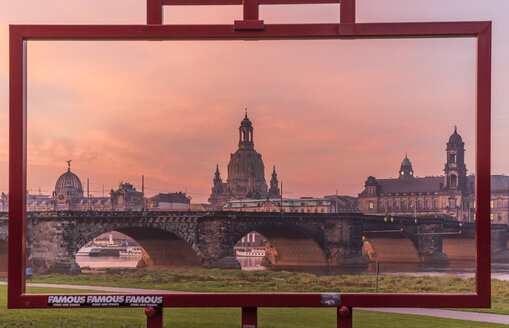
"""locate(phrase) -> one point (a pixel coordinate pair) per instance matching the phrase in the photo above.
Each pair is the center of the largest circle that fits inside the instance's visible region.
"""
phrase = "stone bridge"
(206, 239)
(427, 240)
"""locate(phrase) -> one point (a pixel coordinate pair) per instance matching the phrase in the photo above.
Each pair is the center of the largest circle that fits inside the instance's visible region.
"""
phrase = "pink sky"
(326, 113)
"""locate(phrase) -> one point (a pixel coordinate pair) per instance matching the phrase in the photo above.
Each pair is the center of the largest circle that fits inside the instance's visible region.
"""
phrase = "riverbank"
(199, 280)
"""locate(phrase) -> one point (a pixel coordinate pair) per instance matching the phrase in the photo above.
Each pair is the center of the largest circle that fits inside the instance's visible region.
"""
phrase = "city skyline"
(326, 113)
(153, 191)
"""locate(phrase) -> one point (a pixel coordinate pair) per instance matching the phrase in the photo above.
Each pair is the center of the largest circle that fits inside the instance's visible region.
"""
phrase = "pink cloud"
(326, 113)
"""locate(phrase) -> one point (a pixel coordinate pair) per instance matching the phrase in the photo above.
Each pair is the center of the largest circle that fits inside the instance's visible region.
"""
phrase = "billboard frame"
(251, 28)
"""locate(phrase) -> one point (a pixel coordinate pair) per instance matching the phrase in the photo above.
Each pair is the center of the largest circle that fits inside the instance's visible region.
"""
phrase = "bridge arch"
(287, 245)
(392, 247)
(163, 245)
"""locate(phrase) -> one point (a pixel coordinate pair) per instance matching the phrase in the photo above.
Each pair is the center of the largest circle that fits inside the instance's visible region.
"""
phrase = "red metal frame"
(252, 28)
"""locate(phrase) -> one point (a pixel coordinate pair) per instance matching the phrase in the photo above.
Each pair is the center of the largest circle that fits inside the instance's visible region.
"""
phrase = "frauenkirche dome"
(246, 172)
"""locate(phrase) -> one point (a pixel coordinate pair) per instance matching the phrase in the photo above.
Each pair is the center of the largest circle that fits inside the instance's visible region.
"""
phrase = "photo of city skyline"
(230, 155)
(324, 121)
(337, 112)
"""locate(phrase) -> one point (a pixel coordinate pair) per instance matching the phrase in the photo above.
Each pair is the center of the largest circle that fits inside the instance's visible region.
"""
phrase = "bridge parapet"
(207, 238)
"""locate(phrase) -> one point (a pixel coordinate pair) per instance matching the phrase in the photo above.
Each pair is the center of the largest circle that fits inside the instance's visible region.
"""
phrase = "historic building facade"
(69, 196)
(126, 198)
(246, 173)
(176, 201)
(298, 205)
(451, 194)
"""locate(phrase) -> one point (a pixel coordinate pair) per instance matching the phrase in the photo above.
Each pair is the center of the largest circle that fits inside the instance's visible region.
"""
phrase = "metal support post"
(345, 317)
(154, 12)
(347, 11)
(249, 317)
(377, 274)
(251, 19)
(154, 317)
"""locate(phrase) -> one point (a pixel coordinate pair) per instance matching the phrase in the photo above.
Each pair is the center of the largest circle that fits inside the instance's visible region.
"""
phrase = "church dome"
(406, 171)
(246, 122)
(455, 137)
(246, 164)
(68, 181)
(246, 172)
(406, 162)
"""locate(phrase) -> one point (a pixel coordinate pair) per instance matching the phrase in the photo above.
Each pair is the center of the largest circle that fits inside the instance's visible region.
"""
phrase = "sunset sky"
(326, 113)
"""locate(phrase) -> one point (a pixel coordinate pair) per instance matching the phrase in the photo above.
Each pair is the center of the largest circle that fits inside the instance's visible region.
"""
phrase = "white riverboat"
(250, 251)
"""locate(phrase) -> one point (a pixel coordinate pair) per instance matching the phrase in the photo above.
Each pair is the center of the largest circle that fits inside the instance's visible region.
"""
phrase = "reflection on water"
(251, 263)
(459, 268)
(108, 261)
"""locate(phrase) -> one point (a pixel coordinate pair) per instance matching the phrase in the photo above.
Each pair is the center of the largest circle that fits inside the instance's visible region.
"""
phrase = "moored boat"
(250, 252)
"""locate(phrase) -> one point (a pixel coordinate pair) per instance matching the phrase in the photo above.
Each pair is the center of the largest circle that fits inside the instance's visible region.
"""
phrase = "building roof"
(304, 201)
(204, 207)
(426, 184)
(175, 197)
(498, 183)
(68, 179)
(455, 137)
(406, 162)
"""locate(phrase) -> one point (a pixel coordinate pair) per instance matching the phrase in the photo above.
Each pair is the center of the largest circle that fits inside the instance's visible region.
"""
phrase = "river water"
(460, 268)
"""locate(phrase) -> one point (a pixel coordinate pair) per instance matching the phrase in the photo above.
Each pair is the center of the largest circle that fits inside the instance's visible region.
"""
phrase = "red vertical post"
(17, 165)
(347, 11)
(251, 15)
(249, 317)
(345, 317)
(154, 12)
(483, 162)
(250, 9)
(154, 317)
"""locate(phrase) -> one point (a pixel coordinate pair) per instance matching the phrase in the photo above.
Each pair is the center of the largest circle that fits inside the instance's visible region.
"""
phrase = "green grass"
(216, 280)
(270, 281)
(207, 317)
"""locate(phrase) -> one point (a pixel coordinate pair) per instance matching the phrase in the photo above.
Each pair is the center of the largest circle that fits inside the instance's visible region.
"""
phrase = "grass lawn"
(215, 280)
(207, 317)
(282, 281)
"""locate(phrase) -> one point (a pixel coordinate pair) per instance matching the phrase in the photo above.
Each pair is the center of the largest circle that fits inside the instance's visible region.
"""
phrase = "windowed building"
(298, 205)
(451, 194)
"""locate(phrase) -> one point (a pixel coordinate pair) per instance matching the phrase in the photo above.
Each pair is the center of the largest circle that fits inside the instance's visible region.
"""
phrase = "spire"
(274, 189)
(246, 112)
(217, 175)
(274, 175)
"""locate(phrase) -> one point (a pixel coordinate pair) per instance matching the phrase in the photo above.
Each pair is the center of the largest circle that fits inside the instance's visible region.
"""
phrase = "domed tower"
(246, 133)
(406, 171)
(455, 169)
(68, 190)
(246, 177)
